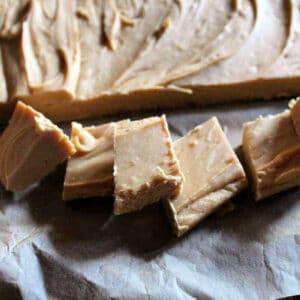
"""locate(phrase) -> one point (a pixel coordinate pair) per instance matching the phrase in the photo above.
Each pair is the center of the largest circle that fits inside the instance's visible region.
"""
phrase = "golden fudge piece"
(146, 169)
(272, 151)
(30, 147)
(90, 170)
(212, 172)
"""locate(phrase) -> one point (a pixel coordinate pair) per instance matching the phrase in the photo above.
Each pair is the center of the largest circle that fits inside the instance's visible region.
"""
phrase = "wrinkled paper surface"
(53, 250)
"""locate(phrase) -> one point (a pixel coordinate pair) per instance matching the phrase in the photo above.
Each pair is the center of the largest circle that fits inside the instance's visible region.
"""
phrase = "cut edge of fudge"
(219, 198)
(154, 98)
(160, 186)
(194, 211)
(84, 142)
(42, 136)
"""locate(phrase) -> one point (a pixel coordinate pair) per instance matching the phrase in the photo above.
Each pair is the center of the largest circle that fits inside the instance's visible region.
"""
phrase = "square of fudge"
(272, 151)
(31, 146)
(146, 169)
(212, 172)
(90, 170)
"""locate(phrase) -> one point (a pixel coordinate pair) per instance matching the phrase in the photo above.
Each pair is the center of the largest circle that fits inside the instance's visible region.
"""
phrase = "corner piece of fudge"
(212, 172)
(146, 169)
(90, 170)
(31, 146)
(272, 151)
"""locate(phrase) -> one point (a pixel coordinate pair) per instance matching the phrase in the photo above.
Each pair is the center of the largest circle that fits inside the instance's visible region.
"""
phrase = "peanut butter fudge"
(90, 170)
(30, 147)
(54, 52)
(272, 151)
(146, 169)
(212, 172)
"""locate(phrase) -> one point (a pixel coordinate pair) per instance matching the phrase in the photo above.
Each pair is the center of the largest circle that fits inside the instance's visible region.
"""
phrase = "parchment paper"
(53, 250)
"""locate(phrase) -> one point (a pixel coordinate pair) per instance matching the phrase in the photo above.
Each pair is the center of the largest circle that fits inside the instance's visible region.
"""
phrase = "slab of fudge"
(272, 151)
(90, 170)
(31, 146)
(146, 57)
(212, 172)
(146, 169)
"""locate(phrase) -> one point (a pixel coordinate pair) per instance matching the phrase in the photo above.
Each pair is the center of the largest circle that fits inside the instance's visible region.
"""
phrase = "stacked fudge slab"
(195, 176)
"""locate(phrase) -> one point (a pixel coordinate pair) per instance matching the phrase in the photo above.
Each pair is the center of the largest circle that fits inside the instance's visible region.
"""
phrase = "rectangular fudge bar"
(90, 170)
(146, 169)
(31, 146)
(272, 151)
(212, 172)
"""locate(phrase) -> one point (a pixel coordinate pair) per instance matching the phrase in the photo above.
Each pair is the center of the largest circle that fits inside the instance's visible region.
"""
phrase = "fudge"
(272, 152)
(54, 53)
(146, 169)
(31, 146)
(90, 170)
(50, 48)
(212, 172)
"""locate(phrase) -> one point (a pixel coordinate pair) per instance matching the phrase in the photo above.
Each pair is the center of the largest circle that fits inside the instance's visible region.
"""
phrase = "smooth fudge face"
(30, 147)
(212, 172)
(90, 170)
(151, 53)
(272, 151)
(146, 169)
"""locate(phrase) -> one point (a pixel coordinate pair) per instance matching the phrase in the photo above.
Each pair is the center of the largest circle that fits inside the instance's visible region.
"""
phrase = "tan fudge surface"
(212, 172)
(90, 170)
(30, 147)
(146, 169)
(272, 151)
(54, 52)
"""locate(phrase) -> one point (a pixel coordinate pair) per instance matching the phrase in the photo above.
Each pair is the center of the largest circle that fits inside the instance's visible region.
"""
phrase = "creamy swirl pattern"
(75, 58)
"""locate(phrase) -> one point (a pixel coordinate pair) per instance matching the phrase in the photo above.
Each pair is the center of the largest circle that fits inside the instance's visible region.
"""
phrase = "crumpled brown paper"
(53, 250)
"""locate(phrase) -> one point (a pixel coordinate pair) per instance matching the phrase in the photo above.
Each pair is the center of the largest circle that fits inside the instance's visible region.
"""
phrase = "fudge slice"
(212, 172)
(90, 170)
(272, 151)
(146, 168)
(31, 146)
